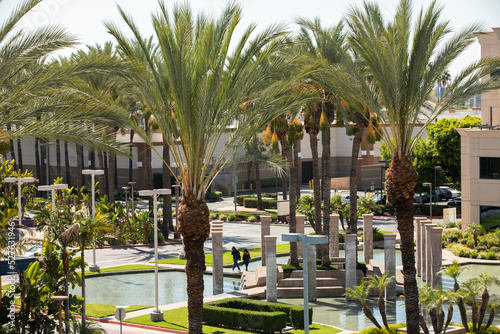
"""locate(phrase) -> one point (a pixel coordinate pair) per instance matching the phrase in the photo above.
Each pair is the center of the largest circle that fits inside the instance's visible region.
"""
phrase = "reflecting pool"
(138, 289)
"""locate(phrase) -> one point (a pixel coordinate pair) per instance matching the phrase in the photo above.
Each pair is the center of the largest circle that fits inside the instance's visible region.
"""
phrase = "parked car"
(443, 193)
(346, 198)
(421, 198)
(454, 192)
(455, 201)
(380, 198)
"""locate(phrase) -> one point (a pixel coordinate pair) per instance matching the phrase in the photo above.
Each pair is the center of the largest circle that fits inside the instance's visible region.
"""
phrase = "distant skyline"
(84, 17)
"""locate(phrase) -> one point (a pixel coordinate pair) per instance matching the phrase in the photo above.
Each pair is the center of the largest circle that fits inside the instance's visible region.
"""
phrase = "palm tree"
(443, 81)
(493, 306)
(379, 284)
(194, 87)
(360, 293)
(454, 271)
(485, 280)
(396, 57)
(475, 230)
(469, 291)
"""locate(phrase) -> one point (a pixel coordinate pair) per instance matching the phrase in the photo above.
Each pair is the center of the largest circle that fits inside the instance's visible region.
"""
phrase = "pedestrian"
(236, 258)
(246, 258)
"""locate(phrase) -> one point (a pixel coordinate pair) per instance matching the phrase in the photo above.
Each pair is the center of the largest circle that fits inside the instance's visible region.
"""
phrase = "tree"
(454, 271)
(475, 230)
(397, 58)
(194, 86)
(379, 284)
(360, 293)
(484, 280)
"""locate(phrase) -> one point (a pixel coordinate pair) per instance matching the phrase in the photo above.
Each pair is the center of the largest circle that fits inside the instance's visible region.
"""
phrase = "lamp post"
(428, 184)
(93, 173)
(305, 240)
(52, 188)
(20, 181)
(436, 168)
(132, 195)
(156, 315)
(382, 168)
(60, 300)
(126, 193)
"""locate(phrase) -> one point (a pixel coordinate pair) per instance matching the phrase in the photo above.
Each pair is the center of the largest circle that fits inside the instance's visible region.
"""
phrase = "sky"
(84, 18)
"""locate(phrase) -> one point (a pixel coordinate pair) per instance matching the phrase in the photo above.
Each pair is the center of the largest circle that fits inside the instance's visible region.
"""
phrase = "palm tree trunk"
(112, 178)
(326, 185)
(79, 168)
(20, 155)
(448, 317)
(434, 319)
(381, 308)
(66, 163)
(130, 165)
(353, 180)
(475, 315)
(102, 184)
(491, 317)
(258, 188)
(422, 324)
(485, 298)
(167, 199)
(37, 159)
(463, 313)
(401, 185)
(368, 313)
(194, 226)
(313, 142)
(58, 158)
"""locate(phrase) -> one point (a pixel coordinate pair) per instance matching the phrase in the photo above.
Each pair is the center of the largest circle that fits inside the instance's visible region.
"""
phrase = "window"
(489, 168)
(490, 217)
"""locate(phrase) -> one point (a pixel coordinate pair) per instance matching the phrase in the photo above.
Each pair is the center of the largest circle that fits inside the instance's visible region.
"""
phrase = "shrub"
(213, 195)
(341, 238)
(274, 218)
(267, 183)
(240, 198)
(252, 219)
(454, 235)
(269, 195)
(231, 217)
(223, 217)
(253, 314)
(213, 215)
(393, 329)
(267, 203)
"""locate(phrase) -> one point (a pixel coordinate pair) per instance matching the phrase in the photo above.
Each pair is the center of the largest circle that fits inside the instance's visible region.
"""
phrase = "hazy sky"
(84, 17)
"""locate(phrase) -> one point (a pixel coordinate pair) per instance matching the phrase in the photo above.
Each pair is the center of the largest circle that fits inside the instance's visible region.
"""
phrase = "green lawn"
(104, 310)
(127, 267)
(227, 257)
(178, 319)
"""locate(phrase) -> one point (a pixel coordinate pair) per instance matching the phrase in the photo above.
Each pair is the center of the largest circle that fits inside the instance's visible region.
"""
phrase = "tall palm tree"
(193, 85)
(475, 230)
(379, 283)
(396, 55)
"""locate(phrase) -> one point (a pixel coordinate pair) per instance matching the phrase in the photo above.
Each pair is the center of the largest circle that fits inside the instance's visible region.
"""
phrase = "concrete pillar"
(217, 262)
(334, 235)
(271, 272)
(423, 249)
(311, 272)
(418, 255)
(368, 237)
(350, 260)
(437, 255)
(428, 252)
(390, 264)
(299, 219)
(449, 216)
(265, 229)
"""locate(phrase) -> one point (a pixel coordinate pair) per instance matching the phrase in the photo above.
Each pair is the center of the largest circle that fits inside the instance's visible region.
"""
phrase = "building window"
(490, 217)
(489, 168)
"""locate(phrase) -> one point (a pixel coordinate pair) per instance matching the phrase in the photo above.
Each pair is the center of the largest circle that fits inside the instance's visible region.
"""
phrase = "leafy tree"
(475, 230)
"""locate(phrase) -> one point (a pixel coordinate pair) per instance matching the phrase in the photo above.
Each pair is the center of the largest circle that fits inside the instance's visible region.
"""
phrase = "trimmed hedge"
(267, 183)
(251, 202)
(249, 314)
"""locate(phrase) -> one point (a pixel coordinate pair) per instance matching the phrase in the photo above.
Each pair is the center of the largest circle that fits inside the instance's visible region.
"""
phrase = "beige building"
(481, 154)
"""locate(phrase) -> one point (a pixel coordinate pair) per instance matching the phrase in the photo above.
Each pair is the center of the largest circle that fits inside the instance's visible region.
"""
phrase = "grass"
(127, 267)
(227, 258)
(104, 310)
(178, 319)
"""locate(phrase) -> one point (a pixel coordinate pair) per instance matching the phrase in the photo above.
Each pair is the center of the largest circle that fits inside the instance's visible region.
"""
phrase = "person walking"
(236, 258)
(246, 258)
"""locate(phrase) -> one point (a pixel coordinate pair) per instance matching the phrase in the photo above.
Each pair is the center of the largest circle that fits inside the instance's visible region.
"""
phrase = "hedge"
(267, 183)
(251, 202)
(252, 314)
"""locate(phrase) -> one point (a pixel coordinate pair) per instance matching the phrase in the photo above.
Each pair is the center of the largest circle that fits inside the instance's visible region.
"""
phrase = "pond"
(138, 289)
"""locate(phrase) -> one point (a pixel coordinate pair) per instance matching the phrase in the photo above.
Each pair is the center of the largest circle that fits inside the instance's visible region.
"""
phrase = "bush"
(251, 314)
(454, 235)
(393, 329)
(274, 218)
(231, 217)
(251, 202)
(223, 217)
(341, 238)
(213, 195)
(240, 198)
(252, 219)
(267, 183)
(269, 195)
(213, 215)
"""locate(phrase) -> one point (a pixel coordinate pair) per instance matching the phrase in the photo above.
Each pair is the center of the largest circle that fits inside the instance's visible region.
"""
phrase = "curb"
(130, 324)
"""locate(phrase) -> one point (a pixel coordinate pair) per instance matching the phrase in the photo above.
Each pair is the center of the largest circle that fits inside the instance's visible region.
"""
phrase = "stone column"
(418, 256)
(390, 264)
(350, 260)
(437, 256)
(217, 262)
(368, 237)
(423, 248)
(265, 229)
(299, 219)
(271, 272)
(428, 252)
(334, 235)
(311, 272)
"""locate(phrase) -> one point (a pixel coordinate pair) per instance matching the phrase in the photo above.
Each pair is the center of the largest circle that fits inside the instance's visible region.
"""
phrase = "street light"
(435, 169)
(60, 300)
(126, 193)
(20, 181)
(52, 188)
(305, 240)
(428, 184)
(93, 173)
(156, 315)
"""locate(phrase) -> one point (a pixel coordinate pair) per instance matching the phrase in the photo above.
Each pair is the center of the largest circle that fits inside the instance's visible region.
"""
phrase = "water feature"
(138, 289)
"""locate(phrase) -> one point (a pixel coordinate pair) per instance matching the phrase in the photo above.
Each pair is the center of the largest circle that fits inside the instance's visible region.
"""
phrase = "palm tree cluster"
(199, 85)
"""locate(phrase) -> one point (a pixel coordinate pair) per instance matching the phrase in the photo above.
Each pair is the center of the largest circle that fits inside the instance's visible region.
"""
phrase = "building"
(481, 154)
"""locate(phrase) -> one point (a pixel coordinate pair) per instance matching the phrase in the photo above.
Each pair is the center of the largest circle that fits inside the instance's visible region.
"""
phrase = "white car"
(454, 192)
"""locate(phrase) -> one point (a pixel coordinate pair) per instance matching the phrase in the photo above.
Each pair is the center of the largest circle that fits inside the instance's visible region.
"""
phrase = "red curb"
(130, 324)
